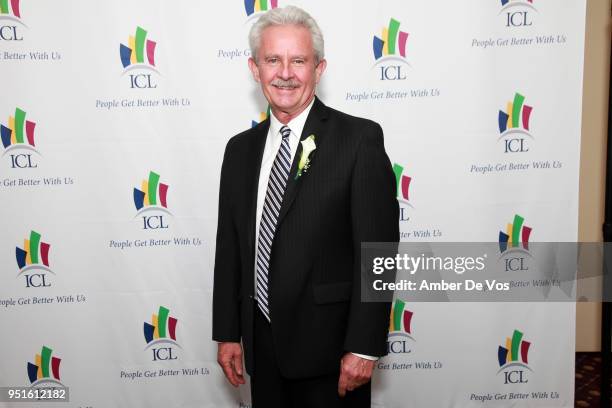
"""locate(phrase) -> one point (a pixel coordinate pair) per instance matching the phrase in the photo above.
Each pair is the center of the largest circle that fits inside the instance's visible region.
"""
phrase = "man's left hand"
(354, 372)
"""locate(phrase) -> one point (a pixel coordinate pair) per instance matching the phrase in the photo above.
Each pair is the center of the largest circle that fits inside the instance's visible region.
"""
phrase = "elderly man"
(299, 193)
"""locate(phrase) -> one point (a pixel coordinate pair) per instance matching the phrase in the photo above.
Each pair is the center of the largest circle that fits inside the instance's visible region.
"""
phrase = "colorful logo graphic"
(253, 7)
(152, 195)
(10, 10)
(506, 4)
(402, 184)
(33, 255)
(46, 368)
(162, 329)
(516, 117)
(262, 116)
(133, 55)
(516, 237)
(392, 45)
(19, 134)
(399, 339)
(514, 353)
(401, 318)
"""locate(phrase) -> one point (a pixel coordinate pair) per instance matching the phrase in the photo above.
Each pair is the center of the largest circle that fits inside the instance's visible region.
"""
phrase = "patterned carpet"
(588, 381)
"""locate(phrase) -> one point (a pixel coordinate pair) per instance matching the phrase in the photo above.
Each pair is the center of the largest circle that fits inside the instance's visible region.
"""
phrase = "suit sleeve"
(226, 302)
(374, 218)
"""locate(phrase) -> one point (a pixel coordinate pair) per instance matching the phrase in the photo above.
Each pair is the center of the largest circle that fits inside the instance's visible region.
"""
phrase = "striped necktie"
(269, 216)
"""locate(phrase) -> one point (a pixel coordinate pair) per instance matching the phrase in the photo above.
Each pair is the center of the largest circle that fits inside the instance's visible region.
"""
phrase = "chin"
(286, 105)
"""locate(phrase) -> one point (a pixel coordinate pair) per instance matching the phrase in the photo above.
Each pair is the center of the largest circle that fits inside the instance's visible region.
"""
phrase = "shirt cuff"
(372, 358)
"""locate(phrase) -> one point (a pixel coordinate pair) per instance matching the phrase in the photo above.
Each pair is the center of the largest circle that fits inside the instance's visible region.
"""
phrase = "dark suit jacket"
(347, 196)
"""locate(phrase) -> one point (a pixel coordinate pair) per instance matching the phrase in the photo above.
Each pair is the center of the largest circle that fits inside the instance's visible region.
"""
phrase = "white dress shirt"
(273, 143)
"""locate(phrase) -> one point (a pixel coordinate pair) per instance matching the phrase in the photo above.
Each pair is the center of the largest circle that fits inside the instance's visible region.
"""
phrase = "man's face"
(286, 69)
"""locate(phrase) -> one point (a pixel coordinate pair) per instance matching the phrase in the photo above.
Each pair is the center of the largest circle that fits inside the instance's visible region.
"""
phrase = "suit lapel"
(313, 126)
(253, 167)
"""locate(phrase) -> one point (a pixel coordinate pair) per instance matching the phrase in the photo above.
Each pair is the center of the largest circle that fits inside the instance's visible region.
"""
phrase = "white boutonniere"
(308, 146)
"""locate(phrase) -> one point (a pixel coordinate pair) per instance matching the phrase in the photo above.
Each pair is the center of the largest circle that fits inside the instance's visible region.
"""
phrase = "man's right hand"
(229, 357)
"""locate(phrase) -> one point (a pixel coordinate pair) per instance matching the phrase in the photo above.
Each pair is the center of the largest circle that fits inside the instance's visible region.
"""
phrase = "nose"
(286, 71)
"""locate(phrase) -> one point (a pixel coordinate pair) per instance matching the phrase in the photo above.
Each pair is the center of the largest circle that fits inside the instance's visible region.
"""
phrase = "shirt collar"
(296, 124)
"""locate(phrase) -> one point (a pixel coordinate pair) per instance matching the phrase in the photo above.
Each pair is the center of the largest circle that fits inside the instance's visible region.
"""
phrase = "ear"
(254, 69)
(319, 69)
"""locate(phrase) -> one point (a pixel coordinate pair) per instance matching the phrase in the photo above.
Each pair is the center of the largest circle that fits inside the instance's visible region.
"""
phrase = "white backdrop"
(110, 270)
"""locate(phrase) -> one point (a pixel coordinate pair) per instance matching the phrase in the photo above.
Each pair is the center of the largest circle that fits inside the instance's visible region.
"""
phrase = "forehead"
(284, 39)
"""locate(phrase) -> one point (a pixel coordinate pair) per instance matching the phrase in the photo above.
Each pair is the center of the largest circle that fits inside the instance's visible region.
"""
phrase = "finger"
(237, 367)
(363, 375)
(342, 385)
(355, 381)
(360, 379)
(351, 375)
(229, 374)
(237, 361)
(228, 370)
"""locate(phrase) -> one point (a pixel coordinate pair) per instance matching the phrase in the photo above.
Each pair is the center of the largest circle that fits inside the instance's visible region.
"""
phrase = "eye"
(272, 60)
(299, 61)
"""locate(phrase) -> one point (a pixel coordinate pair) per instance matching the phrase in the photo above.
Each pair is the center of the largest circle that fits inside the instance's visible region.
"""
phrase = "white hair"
(289, 15)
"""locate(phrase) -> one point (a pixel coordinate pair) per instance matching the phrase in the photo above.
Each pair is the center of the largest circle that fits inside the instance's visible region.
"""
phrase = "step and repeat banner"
(114, 117)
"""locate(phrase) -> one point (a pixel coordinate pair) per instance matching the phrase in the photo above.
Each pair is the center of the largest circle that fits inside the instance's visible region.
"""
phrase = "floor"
(588, 381)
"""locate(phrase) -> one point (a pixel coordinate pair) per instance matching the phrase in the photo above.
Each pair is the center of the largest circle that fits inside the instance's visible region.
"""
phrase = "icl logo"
(262, 116)
(33, 261)
(133, 59)
(390, 52)
(141, 81)
(10, 13)
(402, 184)
(517, 12)
(254, 8)
(400, 332)
(45, 371)
(152, 198)
(18, 141)
(513, 359)
(514, 245)
(514, 125)
(160, 335)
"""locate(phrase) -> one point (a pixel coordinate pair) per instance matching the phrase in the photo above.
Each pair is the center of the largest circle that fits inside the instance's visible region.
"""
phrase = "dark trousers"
(269, 389)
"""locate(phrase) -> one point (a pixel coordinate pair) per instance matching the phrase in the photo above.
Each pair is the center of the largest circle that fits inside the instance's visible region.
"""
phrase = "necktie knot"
(285, 132)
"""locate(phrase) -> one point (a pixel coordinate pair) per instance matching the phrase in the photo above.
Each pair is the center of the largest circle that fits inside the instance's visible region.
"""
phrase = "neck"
(286, 117)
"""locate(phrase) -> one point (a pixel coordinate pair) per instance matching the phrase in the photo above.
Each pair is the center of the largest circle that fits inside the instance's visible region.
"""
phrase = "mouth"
(285, 87)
